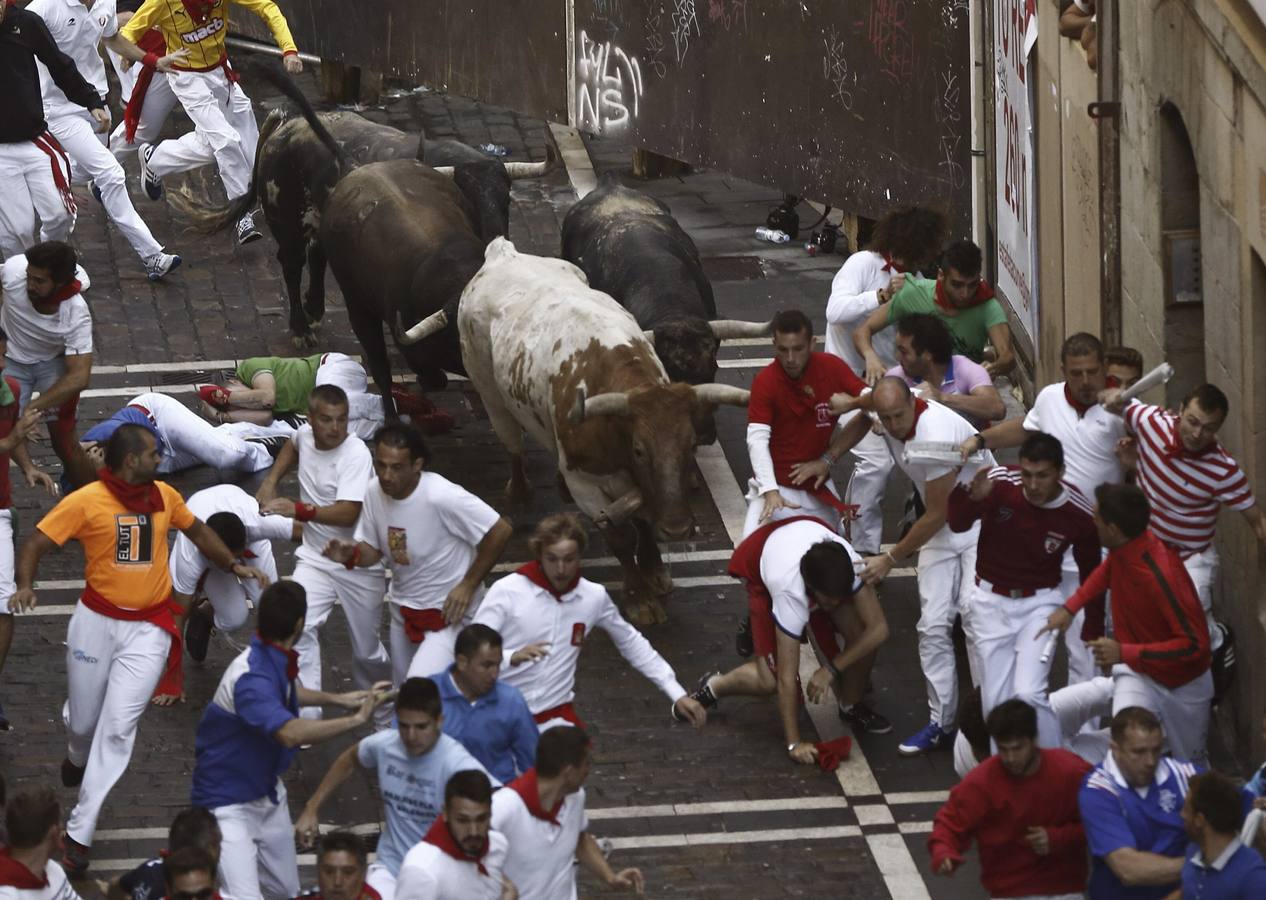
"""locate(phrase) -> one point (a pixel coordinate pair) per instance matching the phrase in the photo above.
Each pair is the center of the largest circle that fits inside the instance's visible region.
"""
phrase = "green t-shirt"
(969, 329)
(295, 377)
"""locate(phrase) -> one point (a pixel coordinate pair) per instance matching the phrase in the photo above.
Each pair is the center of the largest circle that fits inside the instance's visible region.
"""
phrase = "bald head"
(894, 404)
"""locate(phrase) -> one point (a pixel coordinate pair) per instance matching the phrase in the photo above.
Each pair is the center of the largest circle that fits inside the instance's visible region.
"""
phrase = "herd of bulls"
(605, 357)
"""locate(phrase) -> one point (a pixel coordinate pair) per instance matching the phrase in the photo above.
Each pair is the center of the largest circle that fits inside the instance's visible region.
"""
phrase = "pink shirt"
(962, 376)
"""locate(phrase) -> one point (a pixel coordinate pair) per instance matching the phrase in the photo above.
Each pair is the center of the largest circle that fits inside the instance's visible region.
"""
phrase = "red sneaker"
(214, 396)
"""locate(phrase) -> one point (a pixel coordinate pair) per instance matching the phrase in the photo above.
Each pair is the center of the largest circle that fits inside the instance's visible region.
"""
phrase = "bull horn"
(430, 325)
(446, 171)
(718, 394)
(649, 334)
(728, 329)
(613, 404)
(533, 170)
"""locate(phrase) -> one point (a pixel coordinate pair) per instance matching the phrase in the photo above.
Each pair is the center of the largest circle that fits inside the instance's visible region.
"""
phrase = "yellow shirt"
(204, 42)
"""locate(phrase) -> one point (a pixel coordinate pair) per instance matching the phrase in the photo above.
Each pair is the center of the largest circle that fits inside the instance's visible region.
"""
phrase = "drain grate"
(732, 268)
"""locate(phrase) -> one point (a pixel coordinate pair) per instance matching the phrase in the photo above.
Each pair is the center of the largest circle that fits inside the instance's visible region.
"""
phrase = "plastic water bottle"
(773, 235)
(494, 149)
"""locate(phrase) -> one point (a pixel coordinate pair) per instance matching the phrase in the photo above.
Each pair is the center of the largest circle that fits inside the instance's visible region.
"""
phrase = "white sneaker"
(151, 183)
(246, 230)
(160, 264)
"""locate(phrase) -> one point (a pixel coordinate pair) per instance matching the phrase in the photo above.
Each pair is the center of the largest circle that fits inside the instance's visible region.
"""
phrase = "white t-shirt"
(541, 861)
(77, 31)
(1089, 441)
(188, 565)
(780, 571)
(937, 423)
(854, 296)
(428, 539)
(428, 873)
(33, 336)
(325, 477)
(58, 887)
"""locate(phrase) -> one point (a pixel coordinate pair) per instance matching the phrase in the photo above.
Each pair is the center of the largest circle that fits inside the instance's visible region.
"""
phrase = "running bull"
(595, 395)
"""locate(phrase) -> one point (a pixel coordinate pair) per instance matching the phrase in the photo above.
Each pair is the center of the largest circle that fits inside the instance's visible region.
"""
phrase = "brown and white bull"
(572, 368)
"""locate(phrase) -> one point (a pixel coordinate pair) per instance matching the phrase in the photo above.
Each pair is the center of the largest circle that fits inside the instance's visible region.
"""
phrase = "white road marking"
(724, 488)
(901, 798)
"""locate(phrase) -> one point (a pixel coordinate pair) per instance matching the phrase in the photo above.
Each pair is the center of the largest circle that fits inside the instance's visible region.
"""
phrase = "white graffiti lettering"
(685, 20)
(608, 86)
(835, 69)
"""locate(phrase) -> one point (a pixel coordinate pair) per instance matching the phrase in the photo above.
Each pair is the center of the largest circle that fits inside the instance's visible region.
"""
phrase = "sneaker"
(72, 775)
(929, 739)
(150, 183)
(246, 230)
(743, 643)
(160, 264)
(1223, 663)
(95, 191)
(703, 694)
(198, 628)
(861, 718)
(294, 420)
(272, 443)
(75, 858)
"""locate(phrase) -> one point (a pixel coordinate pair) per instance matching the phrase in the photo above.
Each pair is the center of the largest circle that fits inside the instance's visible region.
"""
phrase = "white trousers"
(1203, 569)
(189, 440)
(808, 505)
(1005, 636)
(159, 102)
(26, 188)
(360, 593)
(231, 597)
(947, 564)
(379, 878)
(1075, 706)
(872, 464)
(7, 586)
(410, 660)
(91, 159)
(1081, 662)
(1183, 711)
(257, 850)
(112, 667)
(225, 131)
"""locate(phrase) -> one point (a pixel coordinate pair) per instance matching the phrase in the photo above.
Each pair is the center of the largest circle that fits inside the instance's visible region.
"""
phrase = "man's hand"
(339, 551)
(168, 699)
(293, 64)
(1039, 840)
(169, 62)
(278, 506)
(819, 684)
(36, 477)
(508, 890)
(628, 878)
(102, 118)
(242, 570)
(946, 867)
(456, 603)
(981, 486)
(817, 470)
(804, 753)
(23, 600)
(775, 501)
(307, 829)
(874, 369)
(1110, 399)
(530, 653)
(691, 710)
(1127, 453)
(267, 491)
(1107, 651)
(876, 568)
(1056, 621)
(973, 444)
(883, 295)
(842, 403)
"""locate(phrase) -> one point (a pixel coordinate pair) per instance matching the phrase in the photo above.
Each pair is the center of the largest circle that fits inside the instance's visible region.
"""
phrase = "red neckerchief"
(920, 407)
(137, 498)
(441, 837)
(534, 573)
(151, 41)
(199, 10)
(890, 265)
(15, 875)
(65, 292)
(1082, 408)
(292, 656)
(984, 293)
(526, 787)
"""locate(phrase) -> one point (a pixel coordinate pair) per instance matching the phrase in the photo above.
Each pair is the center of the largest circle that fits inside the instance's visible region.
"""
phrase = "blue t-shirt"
(412, 788)
(1116, 816)
(497, 729)
(1238, 874)
(128, 415)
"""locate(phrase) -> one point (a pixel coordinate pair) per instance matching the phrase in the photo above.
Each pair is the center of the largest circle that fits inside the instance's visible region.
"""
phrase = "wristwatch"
(792, 746)
(981, 438)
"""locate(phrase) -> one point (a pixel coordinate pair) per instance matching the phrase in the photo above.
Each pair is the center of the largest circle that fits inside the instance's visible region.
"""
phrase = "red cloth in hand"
(832, 753)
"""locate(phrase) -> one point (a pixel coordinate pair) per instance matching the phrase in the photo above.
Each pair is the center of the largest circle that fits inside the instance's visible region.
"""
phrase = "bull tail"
(282, 82)
(207, 217)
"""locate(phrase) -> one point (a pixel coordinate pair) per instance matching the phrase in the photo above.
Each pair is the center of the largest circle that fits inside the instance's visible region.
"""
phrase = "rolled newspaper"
(1048, 649)
(1158, 376)
(944, 452)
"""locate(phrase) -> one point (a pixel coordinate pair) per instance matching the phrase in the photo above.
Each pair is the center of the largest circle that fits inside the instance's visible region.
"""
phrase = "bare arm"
(28, 561)
(875, 628)
(1010, 433)
(1253, 515)
(787, 651)
(286, 460)
(77, 377)
(344, 765)
(211, 546)
(488, 551)
(875, 323)
(342, 552)
(1000, 337)
(262, 394)
(298, 731)
(590, 857)
(1138, 867)
(983, 404)
(936, 502)
(128, 50)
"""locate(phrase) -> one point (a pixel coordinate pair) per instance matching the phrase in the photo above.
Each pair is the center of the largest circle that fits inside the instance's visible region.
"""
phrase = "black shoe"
(72, 775)
(743, 644)
(198, 628)
(1223, 663)
(75, 858)
(861, 718)
(273, 443)
(702, 694)
(294, 420)
(4, 719)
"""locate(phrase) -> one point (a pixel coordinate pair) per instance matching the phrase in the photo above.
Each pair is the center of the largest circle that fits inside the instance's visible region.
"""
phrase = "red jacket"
(1156, 613)
(996, 809)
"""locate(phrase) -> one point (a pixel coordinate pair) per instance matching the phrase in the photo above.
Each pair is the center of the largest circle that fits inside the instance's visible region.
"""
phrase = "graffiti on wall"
(608, 86)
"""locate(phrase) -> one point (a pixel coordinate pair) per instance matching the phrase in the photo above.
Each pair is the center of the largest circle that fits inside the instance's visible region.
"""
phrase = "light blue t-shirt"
(412, 788)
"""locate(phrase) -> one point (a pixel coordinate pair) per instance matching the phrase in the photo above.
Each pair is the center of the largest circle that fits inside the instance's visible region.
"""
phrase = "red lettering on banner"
(1013, 23)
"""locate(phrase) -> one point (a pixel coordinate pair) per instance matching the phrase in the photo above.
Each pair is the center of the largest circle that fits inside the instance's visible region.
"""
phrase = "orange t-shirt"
(126, 552)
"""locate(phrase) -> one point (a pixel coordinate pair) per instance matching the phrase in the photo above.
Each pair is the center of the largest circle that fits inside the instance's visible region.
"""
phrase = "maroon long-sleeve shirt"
(1021, 544)
(996, 809)
(1156, 614)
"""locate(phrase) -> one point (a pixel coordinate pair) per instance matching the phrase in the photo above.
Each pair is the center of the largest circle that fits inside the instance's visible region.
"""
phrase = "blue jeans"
(36, 376)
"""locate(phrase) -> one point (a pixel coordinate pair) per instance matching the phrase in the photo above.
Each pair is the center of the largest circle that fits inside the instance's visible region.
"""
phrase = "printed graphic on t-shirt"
(825, 418)
(133, 539)
(398, 545)
(578, 634)
(1054, 541)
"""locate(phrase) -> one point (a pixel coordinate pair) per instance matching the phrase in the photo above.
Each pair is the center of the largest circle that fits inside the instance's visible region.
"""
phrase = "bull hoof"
(645, 611)
(660, 581)
(305, 341)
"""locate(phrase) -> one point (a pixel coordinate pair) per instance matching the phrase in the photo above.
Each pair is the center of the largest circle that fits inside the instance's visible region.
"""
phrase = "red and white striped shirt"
(1184, 488)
